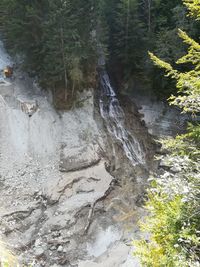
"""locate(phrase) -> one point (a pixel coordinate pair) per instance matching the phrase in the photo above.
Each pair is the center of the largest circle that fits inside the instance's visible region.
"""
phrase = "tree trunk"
(64, 62)
(127, 25)
(149, 15)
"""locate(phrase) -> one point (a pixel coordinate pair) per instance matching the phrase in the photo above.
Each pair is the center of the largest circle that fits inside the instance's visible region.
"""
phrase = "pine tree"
(188, 82)
(67, 43)
(173, 198)
(22, 22)
(55, 40)
(194, 7)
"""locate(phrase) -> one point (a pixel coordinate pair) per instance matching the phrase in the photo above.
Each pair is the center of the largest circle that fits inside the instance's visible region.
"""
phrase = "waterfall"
(114, 118)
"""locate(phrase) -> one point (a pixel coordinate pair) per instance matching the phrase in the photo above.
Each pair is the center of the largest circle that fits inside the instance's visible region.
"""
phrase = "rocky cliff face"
(69, 195)
(161, 119)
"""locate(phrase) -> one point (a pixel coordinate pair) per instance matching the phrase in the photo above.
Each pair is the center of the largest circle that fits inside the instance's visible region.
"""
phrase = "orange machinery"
(8, 72)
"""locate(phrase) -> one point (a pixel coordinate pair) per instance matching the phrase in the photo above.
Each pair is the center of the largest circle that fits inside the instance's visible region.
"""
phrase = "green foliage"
(186, 144)
(173, 223)
(173, 198)
(54, 39)
(194, 8)
(173, 206)
(188, 83)
(134, 27)
(57, 39)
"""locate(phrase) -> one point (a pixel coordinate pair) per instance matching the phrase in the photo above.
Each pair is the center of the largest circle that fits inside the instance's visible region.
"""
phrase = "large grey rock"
(114, 257)
(76, 158)
(74, 191)
(176, 168)
(39, 251)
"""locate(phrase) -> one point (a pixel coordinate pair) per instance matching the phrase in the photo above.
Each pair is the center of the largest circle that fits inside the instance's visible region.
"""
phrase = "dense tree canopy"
(54, 38)
(58, 39)
(134, 27)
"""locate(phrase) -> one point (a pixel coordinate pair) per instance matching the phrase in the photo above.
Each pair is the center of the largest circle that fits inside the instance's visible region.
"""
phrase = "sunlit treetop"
(188, 82)
(193, 7)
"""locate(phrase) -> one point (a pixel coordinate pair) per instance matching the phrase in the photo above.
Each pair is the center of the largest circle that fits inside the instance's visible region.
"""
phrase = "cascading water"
(114, 117)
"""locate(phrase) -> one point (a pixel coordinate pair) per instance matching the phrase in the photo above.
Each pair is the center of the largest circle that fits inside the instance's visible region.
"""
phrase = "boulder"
(77, 158)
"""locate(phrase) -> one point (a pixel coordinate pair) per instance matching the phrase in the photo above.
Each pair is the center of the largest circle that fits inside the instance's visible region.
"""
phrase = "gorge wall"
(69, 194)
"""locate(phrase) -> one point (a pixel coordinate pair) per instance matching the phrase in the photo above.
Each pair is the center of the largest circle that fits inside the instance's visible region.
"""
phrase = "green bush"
(173, 208)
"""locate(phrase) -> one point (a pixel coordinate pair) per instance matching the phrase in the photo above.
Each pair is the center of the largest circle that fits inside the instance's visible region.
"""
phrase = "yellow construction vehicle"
(8, 72)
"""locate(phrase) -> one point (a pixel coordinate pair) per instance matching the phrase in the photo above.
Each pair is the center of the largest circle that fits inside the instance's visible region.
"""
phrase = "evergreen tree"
(22, 23)
(58, 39)
(194, 8)
(173, 198)
(188, 83)
(55, 39)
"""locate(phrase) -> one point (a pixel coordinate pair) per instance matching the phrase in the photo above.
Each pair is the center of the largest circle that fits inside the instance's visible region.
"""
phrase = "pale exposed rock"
(103, 240)
(131, 261)
(95, 179)
(77, 158)
(160, 119)
(37, 243)
(176, 169)
(52, 216)
(53, 248)
(60, 249)
(166, 174)
(39, 251)
(114, 258)
(164, 163)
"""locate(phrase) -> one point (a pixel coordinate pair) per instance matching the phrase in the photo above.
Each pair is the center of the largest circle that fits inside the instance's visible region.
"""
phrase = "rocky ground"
(69, 197)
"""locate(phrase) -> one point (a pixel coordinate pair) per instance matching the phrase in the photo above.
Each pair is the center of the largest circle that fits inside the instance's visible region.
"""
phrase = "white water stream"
(114, 117)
